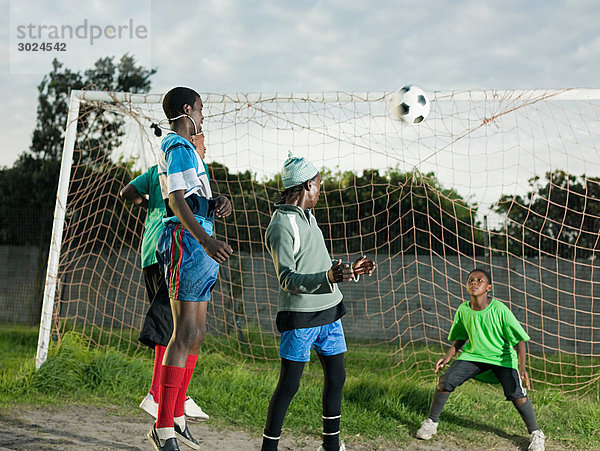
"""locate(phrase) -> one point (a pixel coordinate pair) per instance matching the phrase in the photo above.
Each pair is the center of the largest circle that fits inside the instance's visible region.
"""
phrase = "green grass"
(381, 406)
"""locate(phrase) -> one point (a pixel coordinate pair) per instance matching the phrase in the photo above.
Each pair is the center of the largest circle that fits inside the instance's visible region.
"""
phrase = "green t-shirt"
(147, 184)
(491, 334)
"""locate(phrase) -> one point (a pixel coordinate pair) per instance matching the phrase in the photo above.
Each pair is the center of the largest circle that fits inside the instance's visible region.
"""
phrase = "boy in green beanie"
(310, 304)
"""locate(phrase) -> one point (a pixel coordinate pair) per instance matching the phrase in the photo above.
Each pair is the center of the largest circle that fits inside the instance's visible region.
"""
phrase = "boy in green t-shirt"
(489, 332)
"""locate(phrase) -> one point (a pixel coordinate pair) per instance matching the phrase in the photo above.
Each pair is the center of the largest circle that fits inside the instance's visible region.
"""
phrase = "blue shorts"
(189, 272)
(325, 340)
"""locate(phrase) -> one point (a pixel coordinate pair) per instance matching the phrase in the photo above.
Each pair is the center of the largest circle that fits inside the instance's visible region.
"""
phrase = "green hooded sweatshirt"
(301, 261)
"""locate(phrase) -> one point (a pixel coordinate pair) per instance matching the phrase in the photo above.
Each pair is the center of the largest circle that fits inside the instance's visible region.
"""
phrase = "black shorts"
(158, 325)
(462, 370)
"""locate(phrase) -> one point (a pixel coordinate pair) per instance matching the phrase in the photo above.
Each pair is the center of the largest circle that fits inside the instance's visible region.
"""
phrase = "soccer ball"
(410, 105)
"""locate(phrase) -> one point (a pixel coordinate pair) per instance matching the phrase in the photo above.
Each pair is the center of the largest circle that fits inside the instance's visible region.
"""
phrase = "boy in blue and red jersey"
(188, 255)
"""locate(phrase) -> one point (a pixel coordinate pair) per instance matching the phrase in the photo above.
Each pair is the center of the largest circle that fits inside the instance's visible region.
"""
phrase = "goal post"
(506, 179)
(52, 280)
(57, 232)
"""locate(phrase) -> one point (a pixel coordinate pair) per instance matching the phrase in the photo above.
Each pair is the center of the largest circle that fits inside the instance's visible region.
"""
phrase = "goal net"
(504, 180)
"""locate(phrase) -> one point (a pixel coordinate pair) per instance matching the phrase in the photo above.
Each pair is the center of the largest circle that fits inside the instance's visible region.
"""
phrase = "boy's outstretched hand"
(222, 206)
(340, 272)
(363, 266)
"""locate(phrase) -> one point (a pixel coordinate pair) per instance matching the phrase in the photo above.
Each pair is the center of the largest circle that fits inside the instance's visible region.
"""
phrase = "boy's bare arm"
(456, 346)
(522, 355)
(218, 250)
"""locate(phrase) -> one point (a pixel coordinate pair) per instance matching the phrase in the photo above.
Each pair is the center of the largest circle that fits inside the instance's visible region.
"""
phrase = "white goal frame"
(79, 96)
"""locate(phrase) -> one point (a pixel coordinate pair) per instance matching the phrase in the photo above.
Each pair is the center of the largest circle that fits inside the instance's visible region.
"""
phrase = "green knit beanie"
(296, 171)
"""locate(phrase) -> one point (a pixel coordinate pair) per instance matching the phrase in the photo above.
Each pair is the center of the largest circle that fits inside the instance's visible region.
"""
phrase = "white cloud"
(353, 45)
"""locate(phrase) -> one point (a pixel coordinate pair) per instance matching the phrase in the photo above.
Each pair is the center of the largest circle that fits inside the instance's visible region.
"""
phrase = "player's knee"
(186, 336)
(447, 383)
(442, 387)
(337, 379)
(519, 401)
(288, 387)
(289, 390)
(200, 335)
(202, 330)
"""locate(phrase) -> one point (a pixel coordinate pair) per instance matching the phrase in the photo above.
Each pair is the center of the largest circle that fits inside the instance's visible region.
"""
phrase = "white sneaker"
(193, 411)
(342, 447)
(150, 405)
(427, 430)
(537, 441)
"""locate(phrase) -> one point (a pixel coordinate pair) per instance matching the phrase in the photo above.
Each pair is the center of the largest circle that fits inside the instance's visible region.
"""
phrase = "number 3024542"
(42, 47)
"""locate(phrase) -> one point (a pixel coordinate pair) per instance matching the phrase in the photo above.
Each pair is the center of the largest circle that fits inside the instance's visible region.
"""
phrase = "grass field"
(379, 407)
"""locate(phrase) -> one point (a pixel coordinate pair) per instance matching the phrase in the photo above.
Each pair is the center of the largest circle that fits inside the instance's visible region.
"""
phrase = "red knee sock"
(182, 396)
(159, 353)
(171, 379)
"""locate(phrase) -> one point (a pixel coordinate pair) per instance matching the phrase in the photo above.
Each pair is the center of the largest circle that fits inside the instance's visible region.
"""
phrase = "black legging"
(334, 372)
(289, 380)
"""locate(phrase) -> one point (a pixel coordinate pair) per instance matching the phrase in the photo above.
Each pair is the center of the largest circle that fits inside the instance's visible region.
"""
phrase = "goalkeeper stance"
(309, 303)
(158, 324)
(489, 332)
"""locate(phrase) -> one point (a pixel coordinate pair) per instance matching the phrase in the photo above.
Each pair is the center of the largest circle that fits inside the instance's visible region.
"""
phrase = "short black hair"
(176, 98)
(485, 273)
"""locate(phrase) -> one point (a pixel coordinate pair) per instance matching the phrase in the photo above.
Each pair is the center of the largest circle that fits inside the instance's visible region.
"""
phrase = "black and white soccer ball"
(410, 105)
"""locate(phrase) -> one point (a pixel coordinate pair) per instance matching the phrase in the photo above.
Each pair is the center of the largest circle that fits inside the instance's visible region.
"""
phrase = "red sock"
(182, 396)
(171, 378)
(159, 353)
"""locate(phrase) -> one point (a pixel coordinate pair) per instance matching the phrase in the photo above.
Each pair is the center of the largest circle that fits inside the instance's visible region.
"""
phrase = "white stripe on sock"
(271, 438)
(331, 433)
(332, 418)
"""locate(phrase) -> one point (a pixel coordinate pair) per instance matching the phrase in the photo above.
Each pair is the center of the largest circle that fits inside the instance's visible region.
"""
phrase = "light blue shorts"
(325, 340)
(189, 272)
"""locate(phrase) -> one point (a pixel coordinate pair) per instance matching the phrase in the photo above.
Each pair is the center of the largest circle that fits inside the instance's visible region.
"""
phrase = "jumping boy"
(489, 332)
(189, 256)
(310, 304)
(158, 324)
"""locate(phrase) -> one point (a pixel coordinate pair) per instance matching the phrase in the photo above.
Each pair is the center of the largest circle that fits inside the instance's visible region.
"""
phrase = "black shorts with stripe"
(158, 324)
(463, 370)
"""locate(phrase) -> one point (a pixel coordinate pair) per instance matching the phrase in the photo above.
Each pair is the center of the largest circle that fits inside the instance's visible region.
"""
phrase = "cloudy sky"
(228, 46)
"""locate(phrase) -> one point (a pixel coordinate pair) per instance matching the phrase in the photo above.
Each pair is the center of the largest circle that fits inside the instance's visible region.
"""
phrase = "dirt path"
(92, 428)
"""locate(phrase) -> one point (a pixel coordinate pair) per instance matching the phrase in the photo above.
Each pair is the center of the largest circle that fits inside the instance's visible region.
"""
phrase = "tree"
(99, 125)
(100, 130)
(28, 189)
(397, 212)
(560, 215)
(393, 212)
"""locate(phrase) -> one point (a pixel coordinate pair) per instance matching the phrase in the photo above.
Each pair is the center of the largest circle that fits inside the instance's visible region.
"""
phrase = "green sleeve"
(142, 182)
(206, 169)
(513, 331)
(458, 331)
(280, 244)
